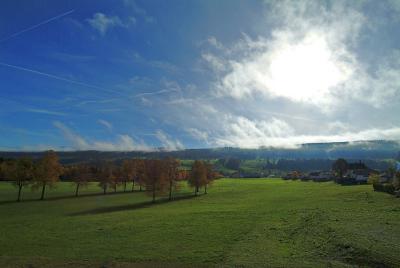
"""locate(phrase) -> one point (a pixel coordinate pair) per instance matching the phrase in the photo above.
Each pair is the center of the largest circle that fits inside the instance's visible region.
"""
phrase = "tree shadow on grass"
(133, 206)
(54, 198)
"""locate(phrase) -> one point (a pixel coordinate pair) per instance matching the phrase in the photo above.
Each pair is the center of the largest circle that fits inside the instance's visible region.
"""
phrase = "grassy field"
(247, 223)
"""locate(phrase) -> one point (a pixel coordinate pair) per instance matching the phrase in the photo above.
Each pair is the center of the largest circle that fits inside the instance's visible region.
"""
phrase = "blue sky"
(134, 75)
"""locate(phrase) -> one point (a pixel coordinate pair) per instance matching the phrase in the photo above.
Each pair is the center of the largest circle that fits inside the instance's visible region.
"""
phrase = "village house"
(358, 173)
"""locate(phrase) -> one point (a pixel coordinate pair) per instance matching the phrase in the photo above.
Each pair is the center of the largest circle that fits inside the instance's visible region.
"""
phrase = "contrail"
(57, 77)
(37, 25)
(155, 93)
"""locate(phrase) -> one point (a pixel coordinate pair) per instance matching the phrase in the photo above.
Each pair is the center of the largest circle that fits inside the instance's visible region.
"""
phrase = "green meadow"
(240, 222)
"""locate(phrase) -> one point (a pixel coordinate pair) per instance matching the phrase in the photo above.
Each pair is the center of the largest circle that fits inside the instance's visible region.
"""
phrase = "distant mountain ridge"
(377, 149)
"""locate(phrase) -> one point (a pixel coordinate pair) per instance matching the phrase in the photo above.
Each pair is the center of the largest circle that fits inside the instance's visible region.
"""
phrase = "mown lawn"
(241, 222)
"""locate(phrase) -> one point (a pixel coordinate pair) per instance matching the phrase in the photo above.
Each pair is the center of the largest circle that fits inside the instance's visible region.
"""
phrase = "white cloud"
(245, 133)
(198, 134)
(139, 11)
(383, 86)
(103, 23)
(216, 63)
(167, 142)
(146, 102)
(106, 124)
(302, 62)
(122, 143)
(309, 59)
(242, 132)
(338, 126)
(77, 141)
(214, 42)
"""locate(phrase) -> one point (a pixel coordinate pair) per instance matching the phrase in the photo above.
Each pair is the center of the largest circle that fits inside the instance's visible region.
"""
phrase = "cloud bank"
(122, 143)
(304, 81)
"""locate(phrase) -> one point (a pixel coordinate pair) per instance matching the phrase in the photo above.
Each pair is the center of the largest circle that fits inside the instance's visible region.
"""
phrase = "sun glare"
(305, 71)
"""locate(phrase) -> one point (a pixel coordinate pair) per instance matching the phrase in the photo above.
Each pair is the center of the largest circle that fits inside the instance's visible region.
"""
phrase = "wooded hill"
(362, 150)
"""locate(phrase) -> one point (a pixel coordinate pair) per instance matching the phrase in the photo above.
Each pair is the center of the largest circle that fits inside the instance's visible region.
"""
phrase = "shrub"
(373, 179)
(388, 188)
(384, 187)
(396, 181)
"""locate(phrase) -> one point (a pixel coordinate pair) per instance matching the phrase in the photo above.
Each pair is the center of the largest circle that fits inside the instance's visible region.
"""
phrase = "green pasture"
(240, 222)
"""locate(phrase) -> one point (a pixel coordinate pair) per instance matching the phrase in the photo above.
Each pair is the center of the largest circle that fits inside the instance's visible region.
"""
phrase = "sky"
(137, 75)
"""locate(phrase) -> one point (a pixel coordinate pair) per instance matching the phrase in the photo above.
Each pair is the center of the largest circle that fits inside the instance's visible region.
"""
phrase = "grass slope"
(247, 223)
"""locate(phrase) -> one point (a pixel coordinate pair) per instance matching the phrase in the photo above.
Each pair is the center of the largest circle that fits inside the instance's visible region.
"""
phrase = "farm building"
(358, 173)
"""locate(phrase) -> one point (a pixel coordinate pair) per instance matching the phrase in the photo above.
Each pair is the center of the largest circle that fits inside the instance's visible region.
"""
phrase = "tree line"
(154, 176)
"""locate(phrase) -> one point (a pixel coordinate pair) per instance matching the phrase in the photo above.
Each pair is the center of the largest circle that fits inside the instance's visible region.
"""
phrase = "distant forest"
(372, 150)
(263, 161)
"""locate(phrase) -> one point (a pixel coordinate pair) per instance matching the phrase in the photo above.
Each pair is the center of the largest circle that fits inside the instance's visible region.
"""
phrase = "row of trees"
(155, 176)
(40, 175)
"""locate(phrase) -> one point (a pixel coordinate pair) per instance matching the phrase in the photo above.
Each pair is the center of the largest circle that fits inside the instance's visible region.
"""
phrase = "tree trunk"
(104, 189)
(140, 187)
(196, 190)
(133, 186)
(124, 186)
(43, 190)
(205, 189)
(19, 191)
(170, 190)
(77, 189)
(115, 188)
(154, 194)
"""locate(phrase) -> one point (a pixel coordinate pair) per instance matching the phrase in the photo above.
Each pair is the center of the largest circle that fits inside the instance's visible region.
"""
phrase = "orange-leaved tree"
(129, 170)
(183, 175)
(117, 178)
(19, 171)
(198, 175)
(172, 174)
(211, 175)
(105, 175)
(155, 178)
(79, 175)
(47, 172)
(141, 174)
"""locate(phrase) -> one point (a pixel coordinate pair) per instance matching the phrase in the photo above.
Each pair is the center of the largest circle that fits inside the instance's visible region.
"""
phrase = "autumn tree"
(104, 175)
(171, 166)
(340, 167)
(155, 177)
(211, 175)
(79, 175)
(47, 172)
(183, 175)
(141, 174)
(198, 175)
(117, 178)
(19, 171)
(129, 170)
